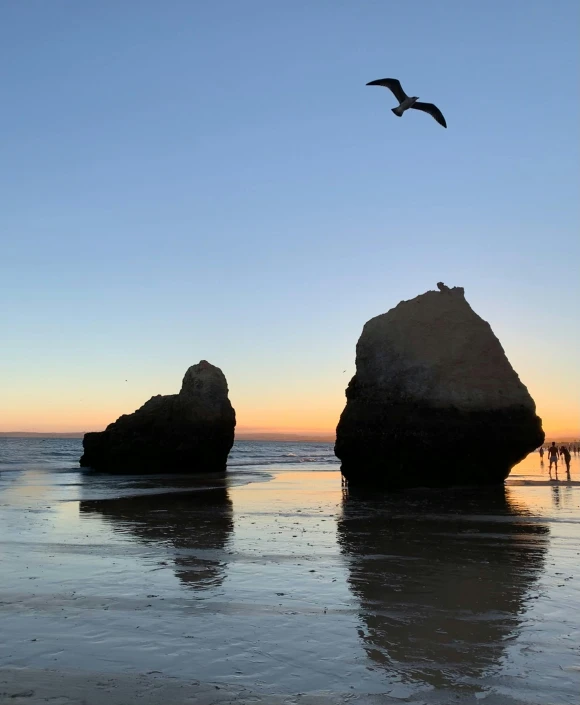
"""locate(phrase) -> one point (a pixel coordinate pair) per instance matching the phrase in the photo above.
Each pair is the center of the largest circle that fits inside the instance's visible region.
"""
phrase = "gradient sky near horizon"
(183, 181)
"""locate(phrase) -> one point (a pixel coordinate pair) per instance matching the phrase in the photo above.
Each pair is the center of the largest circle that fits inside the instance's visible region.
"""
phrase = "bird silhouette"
(406, 102)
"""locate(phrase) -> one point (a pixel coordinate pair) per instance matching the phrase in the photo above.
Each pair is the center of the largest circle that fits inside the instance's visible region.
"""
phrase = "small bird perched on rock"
(406, 102)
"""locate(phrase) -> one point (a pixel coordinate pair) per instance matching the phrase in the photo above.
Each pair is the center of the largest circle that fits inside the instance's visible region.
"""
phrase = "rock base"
(396, 446)
(177, 449)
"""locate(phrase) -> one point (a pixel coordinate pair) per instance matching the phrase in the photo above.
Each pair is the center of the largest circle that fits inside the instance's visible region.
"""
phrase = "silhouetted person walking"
(566, 453)
(553, 456)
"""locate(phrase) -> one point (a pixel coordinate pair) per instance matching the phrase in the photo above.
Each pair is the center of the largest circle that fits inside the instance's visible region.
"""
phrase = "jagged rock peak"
(436, 348)
(458, 290)
(204, 379)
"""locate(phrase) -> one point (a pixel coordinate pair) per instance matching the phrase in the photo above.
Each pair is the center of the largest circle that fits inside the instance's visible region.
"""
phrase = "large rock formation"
(192, 431)
(434, 401)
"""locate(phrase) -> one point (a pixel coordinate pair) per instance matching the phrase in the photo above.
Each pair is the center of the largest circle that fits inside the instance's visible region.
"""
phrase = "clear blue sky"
(184, 180)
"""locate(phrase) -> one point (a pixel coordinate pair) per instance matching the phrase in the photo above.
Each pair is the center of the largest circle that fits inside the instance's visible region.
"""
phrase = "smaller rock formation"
(192, 431)
(434, 401)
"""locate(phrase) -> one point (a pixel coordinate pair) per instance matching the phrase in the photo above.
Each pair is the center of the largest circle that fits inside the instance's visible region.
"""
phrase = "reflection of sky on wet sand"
(289, 585)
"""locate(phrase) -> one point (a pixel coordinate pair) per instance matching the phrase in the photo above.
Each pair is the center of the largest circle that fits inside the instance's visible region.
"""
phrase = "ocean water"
(62, 454)
(273, 579)
(247, 458)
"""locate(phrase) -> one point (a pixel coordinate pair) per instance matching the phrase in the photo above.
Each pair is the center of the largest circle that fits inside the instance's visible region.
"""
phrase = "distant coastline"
(240, 436)
(40, 434)
(282, 436)
(278, 436)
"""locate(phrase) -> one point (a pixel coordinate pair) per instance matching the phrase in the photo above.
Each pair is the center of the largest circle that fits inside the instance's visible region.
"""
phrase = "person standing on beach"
(541, 451)
(553, 456)
(566, 453)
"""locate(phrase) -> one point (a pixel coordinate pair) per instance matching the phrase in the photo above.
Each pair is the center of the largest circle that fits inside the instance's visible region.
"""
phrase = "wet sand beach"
(273, 585)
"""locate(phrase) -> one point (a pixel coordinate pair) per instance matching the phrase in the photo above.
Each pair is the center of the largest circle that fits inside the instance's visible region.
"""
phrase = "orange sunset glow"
(309, 417)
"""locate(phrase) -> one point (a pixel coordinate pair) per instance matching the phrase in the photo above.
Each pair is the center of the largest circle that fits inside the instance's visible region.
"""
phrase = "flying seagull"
(407, 102)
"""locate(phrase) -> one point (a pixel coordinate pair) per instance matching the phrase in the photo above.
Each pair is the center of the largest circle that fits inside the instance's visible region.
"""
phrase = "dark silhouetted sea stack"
(434, 401)
(192, 431)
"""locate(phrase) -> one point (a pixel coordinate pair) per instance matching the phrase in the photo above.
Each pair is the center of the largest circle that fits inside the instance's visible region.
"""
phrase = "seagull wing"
(393, 85)
(433, 110)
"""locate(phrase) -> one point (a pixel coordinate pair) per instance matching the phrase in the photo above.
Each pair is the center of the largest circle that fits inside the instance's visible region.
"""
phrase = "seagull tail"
(398, 112)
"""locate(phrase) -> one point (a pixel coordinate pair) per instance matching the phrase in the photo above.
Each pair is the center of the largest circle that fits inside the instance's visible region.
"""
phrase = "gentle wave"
(62, 454)
(282, 461)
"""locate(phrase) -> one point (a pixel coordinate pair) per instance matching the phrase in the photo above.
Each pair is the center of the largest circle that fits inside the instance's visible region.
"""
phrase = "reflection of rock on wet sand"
(195, 526)
(441, 579)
